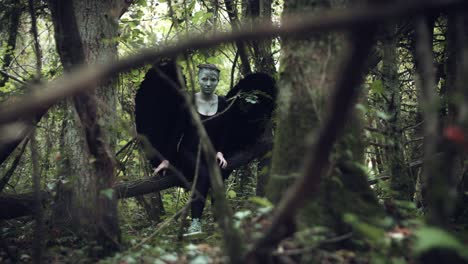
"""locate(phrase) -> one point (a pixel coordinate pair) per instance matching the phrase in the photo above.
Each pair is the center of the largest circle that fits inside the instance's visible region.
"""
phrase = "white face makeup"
(208, 80)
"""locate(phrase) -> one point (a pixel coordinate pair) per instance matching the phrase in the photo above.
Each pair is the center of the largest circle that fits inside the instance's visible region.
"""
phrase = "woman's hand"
(222, 161)
(162, 166)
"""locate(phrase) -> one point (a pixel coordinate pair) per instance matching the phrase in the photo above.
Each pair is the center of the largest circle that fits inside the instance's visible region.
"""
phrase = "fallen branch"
(18, 205)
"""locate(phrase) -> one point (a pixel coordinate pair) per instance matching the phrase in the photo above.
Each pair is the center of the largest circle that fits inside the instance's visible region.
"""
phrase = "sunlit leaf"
(361, 108)
(242, 214)
(231, 194)
(383, 115)
(261, 201)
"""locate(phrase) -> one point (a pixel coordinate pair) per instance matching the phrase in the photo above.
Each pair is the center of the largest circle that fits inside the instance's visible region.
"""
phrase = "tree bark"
(241, 47)
(13, 25)
(260, 10)
(401, 182)
(85, 33)
(309, 66)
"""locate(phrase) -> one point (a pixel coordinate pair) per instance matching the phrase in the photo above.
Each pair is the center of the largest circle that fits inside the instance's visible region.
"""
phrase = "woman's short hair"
(208, 66)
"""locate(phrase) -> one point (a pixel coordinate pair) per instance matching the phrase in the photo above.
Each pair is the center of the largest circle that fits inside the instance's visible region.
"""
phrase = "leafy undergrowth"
(392, 241)
(399, 238)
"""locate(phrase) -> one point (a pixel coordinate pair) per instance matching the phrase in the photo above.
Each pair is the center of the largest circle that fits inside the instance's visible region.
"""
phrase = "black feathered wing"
(159, 112)
(254, 101)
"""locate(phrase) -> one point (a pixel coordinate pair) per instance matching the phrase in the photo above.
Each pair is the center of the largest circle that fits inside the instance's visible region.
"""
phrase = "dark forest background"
(363, 161)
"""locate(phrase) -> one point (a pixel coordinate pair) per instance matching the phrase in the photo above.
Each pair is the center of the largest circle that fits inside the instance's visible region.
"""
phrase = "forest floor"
(145, 241)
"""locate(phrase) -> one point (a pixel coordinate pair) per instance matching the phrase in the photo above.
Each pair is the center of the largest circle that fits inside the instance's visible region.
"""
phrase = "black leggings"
(187, 163)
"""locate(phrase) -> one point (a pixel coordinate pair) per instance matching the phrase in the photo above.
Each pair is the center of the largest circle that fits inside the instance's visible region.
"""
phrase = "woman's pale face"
(208, 80)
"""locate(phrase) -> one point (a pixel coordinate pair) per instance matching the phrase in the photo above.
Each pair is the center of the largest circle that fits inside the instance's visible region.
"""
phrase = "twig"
(307, 249)
(6, 74)
(414, 140)
(87, 76)
(6, 178)
(378, 178)
(376, 130)
(129, 143)
(376, 144)
(160, 227)
(412, 126)
(233, 69)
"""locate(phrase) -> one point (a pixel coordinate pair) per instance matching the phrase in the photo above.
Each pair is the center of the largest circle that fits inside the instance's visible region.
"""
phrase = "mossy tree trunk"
(308, 67)
(85, 33)
(439, 187)
(14, 13)
(401, 183)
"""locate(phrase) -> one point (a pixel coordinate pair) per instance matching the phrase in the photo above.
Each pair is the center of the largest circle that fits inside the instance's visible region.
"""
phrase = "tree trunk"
(401, 182)
(309, 64)
(260, 10)
(241, 47)
(443, 168)
(85, 33)
(13, 25)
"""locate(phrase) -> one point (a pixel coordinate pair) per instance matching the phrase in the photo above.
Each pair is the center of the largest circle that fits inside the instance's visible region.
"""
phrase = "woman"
(208, 104)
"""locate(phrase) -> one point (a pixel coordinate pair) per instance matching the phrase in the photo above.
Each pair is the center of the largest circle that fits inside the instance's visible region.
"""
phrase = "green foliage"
(261, 201)
(429, 238)
(377, 87)
(370, 232)
(148, 24)
(231, 194)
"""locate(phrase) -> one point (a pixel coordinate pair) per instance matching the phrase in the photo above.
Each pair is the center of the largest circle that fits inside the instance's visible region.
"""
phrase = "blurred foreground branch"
(86, 77)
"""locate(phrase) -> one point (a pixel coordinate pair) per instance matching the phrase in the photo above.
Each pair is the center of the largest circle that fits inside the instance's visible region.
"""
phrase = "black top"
(215, 126)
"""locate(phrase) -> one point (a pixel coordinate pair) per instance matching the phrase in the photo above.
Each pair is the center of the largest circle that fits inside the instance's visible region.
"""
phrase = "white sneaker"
(194, 228)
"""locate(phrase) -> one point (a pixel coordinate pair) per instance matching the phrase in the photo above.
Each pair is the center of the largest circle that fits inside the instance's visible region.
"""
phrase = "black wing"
(255, 97)
(158, 112)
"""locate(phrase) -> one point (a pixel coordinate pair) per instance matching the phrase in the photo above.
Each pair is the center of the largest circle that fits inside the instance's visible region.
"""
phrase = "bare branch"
(6, 178)
(6, 74)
